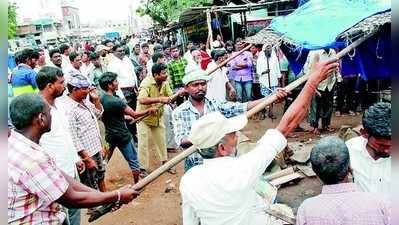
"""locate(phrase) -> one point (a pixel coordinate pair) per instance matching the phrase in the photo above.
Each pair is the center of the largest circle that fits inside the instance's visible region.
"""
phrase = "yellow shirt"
(149, 88)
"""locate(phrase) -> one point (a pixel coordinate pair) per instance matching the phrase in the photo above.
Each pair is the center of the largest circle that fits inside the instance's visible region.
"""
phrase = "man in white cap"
(102, 50)
(221, 190)
(198, 105)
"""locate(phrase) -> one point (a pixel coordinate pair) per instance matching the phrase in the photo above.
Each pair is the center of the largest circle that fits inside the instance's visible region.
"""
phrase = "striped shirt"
(83, 125)
(34, 184)
(186, 114)
(176, 72)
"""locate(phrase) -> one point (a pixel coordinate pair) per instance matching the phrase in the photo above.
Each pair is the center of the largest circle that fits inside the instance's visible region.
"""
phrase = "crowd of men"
(153, 95)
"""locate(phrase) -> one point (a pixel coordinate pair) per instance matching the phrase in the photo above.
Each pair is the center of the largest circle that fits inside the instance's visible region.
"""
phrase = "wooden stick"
(230, 58)
(304, 78)
(280, 216)
(172, 98)
(181, 156)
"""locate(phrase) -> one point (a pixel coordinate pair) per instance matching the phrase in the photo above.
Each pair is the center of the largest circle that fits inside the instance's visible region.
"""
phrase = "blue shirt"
(23, 75)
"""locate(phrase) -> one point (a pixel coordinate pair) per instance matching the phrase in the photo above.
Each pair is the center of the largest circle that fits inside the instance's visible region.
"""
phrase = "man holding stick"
(116, 111)
(154, 91)
(36, 186)
(228, 181)
(199, 105)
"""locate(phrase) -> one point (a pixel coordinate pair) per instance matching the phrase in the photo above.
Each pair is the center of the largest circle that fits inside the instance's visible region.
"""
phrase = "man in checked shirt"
(82, 113)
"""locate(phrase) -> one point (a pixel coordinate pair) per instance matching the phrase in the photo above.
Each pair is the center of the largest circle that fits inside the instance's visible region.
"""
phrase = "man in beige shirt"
(322, 103)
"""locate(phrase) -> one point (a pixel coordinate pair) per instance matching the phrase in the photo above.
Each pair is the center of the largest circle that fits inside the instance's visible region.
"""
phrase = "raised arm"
(299, 108)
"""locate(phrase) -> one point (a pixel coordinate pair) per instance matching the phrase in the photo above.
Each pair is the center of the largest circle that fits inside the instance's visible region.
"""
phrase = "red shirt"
(206, 59)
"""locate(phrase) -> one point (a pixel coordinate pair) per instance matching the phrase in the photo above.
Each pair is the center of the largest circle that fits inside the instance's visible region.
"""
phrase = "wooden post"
(209, 22)
(220, 29)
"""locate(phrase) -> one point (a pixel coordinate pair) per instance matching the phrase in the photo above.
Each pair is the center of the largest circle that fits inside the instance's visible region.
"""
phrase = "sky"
(89, 10)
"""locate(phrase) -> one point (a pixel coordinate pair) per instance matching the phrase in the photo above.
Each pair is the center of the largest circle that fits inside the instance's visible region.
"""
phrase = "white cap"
(208, 130)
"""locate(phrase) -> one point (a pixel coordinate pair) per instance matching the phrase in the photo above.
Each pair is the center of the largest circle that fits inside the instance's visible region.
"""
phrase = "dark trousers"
(256, 91)
(131, 100)
(291, 98)
(321, 108)
(346, 96)
(368, 91)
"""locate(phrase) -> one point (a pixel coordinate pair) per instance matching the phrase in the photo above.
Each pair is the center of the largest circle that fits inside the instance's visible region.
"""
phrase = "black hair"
(215, 54)
(377, 120)
(330, 160)
(24, 108)
(116, 46)
(71, 88)
(174, 47)
(238, 40)
(156, 56)
(63, 48)
(229, 43)
(53, 51)
(24, 55)
(193, 48)
(73, 56)
(157, 68)
(47, 75)
(106, 79)
(93, 55)
(105, 42)
(145, 44)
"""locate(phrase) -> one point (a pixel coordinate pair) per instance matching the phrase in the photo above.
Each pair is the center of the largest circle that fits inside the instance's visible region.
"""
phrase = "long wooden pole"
(181, 156)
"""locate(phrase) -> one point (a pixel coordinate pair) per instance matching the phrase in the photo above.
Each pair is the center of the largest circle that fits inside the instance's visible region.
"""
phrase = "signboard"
(196, 29)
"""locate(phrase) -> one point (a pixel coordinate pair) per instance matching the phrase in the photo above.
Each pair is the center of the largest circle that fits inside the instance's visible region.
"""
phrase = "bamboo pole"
(181, 156)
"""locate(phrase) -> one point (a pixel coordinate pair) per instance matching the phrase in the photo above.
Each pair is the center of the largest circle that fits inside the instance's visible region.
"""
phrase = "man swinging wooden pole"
(180, 157)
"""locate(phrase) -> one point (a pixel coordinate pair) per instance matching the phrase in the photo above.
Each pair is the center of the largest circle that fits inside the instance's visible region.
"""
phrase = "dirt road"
(154, 206)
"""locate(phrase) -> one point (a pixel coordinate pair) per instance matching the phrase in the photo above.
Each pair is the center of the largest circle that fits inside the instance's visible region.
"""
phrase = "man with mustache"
(198, 105)
(370, 153)
(221, 190)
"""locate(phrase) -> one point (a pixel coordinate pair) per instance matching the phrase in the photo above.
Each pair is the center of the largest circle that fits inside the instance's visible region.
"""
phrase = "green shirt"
(149, 89)
(176, 72)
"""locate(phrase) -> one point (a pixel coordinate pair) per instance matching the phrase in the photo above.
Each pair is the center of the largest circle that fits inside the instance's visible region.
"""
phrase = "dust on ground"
(154, 206)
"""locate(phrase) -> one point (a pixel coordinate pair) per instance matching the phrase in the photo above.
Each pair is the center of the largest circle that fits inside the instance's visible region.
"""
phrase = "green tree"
(12, 20)
(166, 11)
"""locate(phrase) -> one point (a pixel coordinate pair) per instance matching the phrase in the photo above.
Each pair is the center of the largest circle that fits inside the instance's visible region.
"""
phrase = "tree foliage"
(12, 20)
(166, 11)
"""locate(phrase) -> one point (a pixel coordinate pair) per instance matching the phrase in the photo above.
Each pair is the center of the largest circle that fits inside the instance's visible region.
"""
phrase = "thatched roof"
(270, 37)
(367, 25)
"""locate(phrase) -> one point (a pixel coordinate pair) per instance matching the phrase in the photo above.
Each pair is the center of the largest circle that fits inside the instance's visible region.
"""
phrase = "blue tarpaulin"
(317, 24)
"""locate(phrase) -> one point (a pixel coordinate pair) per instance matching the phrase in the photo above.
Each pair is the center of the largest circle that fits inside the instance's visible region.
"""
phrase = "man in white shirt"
(65, 50)
(221, 190)
(194, 63)
(187, 55)
(268, 70)
(218, 82)
(86, 66)
(123, 67)
(74, 69)
(58, 142)
(370, 153)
